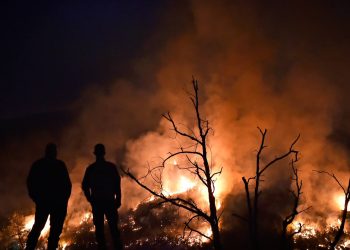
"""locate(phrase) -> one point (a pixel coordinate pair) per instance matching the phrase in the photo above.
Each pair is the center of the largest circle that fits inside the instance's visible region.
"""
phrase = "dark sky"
(52, 51)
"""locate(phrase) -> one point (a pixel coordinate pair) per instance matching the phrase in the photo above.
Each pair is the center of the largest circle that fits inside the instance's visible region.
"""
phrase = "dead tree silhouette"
(201, 168)
(286, 243)
(252, 199)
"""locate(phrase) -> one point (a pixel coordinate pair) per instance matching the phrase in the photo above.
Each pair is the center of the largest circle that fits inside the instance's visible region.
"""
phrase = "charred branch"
(286, 238)
(191, 229)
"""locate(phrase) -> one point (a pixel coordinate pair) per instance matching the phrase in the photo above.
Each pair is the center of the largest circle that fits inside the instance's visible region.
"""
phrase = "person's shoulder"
(60, 162)
(91, 166)
(110, 164)
(38, 162)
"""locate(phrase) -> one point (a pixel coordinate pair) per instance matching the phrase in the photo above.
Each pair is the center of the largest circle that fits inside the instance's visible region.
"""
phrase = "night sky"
(52, 51)
(79, 73)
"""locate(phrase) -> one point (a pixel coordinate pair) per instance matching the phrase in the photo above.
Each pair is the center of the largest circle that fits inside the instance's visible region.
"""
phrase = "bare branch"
(278, 158)
(297, 231)
(188, 205)
(187, 225)
(181, 153)
(170, 119)
(216, 173)
(334, 177)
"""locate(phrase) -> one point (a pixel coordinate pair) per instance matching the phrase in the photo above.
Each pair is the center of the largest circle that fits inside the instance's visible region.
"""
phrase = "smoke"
(267, 69)
(279, 66)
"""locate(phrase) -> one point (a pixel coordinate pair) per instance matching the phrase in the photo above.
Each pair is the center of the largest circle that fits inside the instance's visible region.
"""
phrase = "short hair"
(51, 149)
(99, 149)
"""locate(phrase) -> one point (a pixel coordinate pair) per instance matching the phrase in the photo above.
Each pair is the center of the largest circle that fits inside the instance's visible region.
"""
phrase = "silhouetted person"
(101, 186)
(49, 187)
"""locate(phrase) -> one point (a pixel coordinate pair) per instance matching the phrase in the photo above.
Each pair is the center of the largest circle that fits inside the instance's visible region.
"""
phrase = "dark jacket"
(48, 182)
(101, 183)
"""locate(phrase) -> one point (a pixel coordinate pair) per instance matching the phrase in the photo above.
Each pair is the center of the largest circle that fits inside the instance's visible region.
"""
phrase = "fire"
(29, 222)
(178, 182)
(86, 217)
(185, 184)
(340, 201)
(208, 232)
(64, 244)
(346, 243)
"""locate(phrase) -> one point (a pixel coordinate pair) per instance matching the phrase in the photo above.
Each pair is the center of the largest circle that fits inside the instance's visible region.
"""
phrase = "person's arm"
(32, 183)
(86, 185)
(117, 188)
(67, 182)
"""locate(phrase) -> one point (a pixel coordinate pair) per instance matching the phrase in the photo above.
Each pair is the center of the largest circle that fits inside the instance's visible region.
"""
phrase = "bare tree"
(253, 199)
(201, 169)
(346, 192)
(287, 238)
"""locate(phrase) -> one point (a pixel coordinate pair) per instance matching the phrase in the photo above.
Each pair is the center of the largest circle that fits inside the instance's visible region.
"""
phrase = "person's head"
(99, 150)
(51, 151)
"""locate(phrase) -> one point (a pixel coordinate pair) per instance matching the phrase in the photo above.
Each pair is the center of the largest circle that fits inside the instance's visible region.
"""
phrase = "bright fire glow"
(185, 184)
(340, 200)
(64, 244)
(308, 231)
(208, 233)
(29, 222)
(86, 217)
(346, 243)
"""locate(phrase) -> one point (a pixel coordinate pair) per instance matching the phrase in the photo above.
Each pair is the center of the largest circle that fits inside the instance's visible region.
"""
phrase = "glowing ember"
(308, 231)
(86, 217)
(29, 222)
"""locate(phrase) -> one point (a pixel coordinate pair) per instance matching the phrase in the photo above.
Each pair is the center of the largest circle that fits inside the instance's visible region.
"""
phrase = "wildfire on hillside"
(150, 225)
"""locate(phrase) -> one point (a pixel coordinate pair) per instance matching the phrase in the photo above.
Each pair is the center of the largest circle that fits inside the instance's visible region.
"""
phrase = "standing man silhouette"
(49, 187)
(101, 186)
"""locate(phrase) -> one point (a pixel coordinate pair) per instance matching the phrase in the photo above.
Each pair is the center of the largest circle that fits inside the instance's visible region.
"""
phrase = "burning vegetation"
(186, 205)
(279, 65)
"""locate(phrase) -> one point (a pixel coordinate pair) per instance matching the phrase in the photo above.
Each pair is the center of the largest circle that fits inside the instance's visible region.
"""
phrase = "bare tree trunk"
(214, 223)
(253, 209)
(255, 213)
(340, 231)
